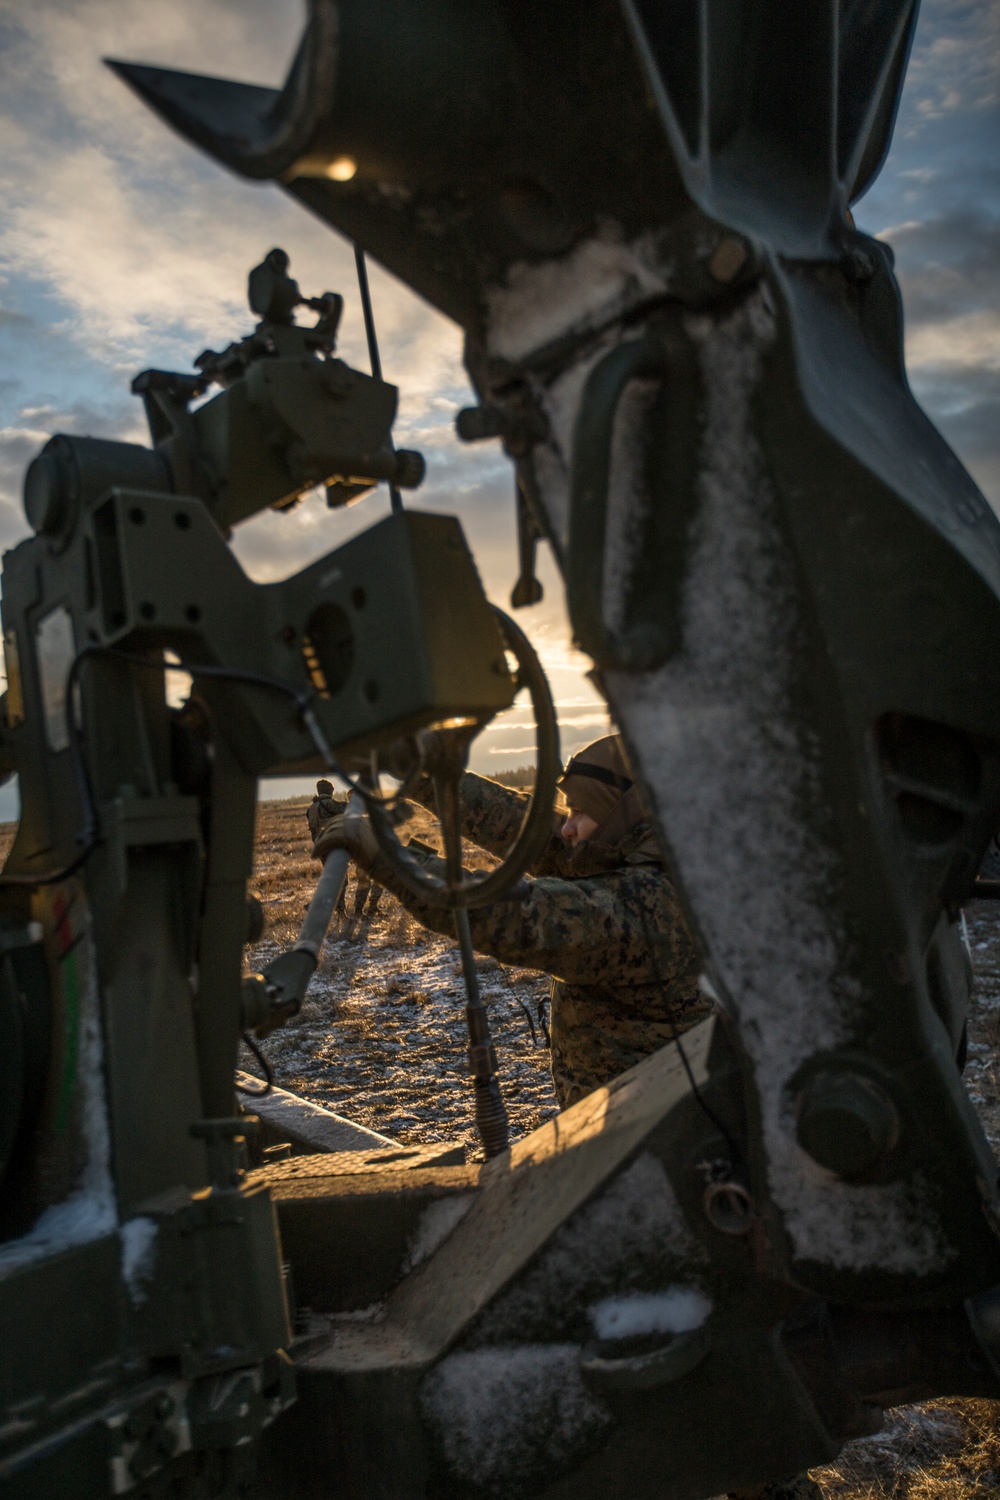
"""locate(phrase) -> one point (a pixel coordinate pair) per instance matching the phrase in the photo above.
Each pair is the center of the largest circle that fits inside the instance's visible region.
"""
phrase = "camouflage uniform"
(604, 922)
(323, 807)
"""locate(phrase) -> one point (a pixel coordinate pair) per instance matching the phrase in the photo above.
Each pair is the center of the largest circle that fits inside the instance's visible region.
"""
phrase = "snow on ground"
(382, 1036)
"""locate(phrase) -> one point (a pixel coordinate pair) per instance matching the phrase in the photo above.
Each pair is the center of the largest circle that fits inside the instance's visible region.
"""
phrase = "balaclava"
(598, 781)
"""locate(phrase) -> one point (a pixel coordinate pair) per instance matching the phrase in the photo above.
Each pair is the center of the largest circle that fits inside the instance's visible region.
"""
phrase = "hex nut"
(846, 1122)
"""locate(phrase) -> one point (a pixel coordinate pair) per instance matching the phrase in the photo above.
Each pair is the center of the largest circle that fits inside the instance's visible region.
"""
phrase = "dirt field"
(382, 1035)
(382, 1041)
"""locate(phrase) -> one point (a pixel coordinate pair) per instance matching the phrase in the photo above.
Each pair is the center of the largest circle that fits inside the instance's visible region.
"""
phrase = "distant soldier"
(325, 806)
(601, 915)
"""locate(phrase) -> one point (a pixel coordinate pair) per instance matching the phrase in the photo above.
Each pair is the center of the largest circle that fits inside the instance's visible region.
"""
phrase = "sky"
(121, 247)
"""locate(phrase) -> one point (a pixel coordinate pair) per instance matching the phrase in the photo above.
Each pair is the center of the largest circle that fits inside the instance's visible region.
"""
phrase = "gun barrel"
(324, 901)
(327, 893)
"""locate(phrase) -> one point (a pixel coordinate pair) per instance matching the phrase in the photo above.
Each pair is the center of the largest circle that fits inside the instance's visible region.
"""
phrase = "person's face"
(578, 827)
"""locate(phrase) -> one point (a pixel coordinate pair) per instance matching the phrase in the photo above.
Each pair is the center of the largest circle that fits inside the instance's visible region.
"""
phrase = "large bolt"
(728, 259)
(846, 1123)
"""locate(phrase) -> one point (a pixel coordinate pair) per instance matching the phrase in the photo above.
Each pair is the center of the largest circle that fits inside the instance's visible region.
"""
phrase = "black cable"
(524, 1007)
(529, 1018)
(265, 1066)
(737, 1158)
(89, 836)
(395, 497)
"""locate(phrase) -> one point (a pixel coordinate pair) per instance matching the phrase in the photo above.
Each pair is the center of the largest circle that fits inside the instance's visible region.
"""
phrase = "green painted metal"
(791, 591)
(126, 1219)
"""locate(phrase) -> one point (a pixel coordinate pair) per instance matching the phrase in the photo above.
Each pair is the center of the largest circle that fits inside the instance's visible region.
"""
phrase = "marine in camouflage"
(603, 921)
(324, 806)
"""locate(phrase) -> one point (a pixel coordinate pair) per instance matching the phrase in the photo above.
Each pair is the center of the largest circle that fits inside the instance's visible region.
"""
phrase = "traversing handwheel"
(444, 754)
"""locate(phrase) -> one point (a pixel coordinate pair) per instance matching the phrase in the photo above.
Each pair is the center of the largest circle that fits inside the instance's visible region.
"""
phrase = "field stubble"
(382, 1035)
(381, 1039)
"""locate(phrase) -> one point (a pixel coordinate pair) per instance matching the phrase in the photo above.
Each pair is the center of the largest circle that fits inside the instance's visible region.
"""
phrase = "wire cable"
(737, 1156)
(89, 837)
(395, 498)
(265, 1065)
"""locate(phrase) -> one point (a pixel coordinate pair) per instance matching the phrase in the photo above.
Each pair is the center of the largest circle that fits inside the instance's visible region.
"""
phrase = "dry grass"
(382, 1035)
(285, 873)
(381, 1039)
(941, 1450)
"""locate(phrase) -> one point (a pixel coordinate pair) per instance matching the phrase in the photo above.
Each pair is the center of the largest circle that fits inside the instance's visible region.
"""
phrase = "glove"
(351, 831)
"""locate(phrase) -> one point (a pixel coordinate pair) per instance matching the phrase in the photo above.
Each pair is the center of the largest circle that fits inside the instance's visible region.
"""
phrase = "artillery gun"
(639, 214)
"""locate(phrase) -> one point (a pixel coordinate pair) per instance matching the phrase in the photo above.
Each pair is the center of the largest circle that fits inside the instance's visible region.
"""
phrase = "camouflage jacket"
(605, 923)
(321, 809)
(319, 812)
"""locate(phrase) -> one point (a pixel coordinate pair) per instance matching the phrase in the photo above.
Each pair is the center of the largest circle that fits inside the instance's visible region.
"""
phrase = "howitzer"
(124, 896)
(791, 591)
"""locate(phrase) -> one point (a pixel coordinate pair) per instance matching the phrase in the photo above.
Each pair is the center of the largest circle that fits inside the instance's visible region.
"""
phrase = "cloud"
(11, 319)
(948, 264)
(939, 193)
(144, 241)
(132, 249)
(18, 446)
(971, 340)
(955, 62)
(504, 725)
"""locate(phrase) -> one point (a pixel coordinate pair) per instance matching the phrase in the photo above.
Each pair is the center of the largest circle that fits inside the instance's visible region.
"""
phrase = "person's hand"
(351, 831)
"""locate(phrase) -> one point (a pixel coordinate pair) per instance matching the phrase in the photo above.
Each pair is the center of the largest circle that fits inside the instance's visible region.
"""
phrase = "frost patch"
(504, 1417)
(678, 1309)
(732, 771)
(435, 1224)
(634, 1231)
(599, 280)
(915, 1440)
(138, 1237)
(90, 1210)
